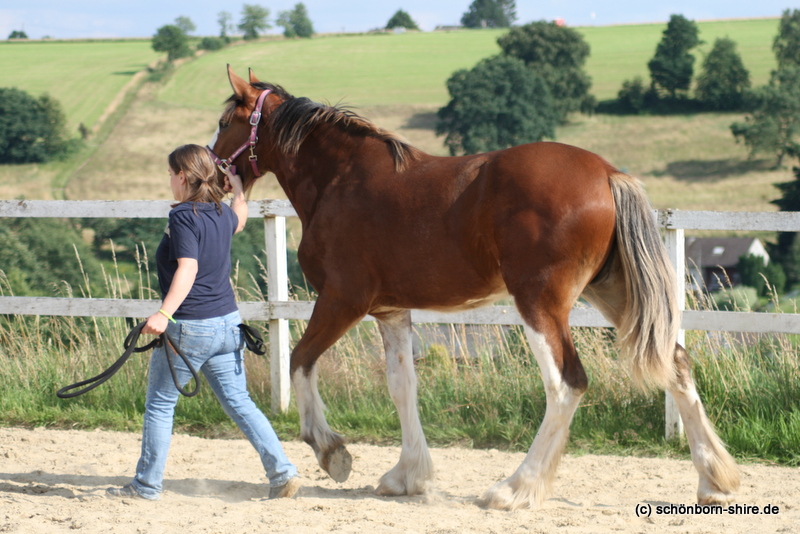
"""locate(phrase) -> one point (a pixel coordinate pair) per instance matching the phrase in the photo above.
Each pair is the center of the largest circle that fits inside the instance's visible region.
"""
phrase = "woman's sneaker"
(287, 491)
(125, 491)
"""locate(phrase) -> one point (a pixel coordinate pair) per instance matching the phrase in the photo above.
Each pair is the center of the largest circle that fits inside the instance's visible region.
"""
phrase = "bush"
(740, 298)
(32, 130)
(211, 43)
(765, 277)
(631, 96)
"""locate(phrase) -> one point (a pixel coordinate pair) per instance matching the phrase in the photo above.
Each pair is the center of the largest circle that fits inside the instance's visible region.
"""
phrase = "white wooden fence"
(278, 309)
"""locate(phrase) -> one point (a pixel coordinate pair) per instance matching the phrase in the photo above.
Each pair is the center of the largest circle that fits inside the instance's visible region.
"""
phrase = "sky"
(67, 19)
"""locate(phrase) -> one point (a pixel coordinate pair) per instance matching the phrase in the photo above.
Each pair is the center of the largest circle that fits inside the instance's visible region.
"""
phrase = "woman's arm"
(182, 283)
(239, 203)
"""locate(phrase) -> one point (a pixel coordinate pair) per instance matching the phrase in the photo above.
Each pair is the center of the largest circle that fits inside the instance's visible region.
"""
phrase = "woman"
(200, 314)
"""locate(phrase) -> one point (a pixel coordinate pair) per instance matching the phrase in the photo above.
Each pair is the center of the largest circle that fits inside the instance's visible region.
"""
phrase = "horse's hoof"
(339, 463)
(718, 497)
(390, 489)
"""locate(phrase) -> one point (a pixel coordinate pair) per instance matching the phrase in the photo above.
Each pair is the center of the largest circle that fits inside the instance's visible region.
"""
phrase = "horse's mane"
(296, 118)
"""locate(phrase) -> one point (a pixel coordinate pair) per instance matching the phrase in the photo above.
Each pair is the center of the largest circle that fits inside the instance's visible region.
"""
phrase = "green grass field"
(412, 68)
(364, 70)
(687, 162)
(84, 76)
(621, 52)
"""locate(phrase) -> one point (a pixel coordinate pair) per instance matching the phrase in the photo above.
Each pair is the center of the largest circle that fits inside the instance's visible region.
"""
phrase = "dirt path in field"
(54, 481)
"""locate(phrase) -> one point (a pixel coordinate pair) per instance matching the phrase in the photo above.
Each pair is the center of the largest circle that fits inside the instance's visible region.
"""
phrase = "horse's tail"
(648, 325)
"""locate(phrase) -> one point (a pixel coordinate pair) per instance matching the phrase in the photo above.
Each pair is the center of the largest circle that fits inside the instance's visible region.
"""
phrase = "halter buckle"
(224, 166)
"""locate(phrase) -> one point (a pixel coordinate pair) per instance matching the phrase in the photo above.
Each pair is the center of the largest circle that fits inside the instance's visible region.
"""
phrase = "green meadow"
(363, 70)
(85, 76)
(413, 68)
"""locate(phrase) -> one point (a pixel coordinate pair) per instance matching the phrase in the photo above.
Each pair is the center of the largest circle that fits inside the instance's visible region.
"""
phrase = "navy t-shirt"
(206, 237)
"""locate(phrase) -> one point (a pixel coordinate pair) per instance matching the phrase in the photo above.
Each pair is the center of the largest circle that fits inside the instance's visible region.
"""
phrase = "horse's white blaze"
(313, 425)
(415, 466)
(528, 486)
(213, 139)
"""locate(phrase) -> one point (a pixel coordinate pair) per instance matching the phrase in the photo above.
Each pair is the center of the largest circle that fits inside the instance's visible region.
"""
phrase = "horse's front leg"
(415, 467)
(530, 483)
(329, 321)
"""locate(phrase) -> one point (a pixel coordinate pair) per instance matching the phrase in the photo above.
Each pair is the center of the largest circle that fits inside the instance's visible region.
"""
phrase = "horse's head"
(236, 142)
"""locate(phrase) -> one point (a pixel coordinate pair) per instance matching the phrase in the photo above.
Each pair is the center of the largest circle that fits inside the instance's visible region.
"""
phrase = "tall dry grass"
(478, 386)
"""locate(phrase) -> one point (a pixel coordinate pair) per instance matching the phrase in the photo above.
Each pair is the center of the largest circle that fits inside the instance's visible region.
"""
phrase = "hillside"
(398, 81)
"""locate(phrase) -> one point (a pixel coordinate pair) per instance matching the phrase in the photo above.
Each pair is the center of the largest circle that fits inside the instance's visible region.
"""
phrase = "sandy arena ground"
(54, 481)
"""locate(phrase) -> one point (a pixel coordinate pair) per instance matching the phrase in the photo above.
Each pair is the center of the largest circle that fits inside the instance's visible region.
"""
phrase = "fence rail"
(278, 309)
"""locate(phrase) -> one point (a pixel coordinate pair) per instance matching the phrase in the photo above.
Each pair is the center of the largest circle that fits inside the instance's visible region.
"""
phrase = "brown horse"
(388, 228)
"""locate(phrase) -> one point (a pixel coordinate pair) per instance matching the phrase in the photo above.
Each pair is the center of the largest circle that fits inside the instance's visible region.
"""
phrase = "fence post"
(278, 290)
(674, 241)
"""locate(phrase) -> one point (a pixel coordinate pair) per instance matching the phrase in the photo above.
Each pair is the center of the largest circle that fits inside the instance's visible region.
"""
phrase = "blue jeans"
(214, 346)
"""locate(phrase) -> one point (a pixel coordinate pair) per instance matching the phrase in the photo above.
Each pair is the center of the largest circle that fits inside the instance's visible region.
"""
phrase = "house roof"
(722, 251)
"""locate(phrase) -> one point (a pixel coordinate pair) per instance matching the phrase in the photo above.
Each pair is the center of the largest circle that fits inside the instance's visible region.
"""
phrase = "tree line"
(174, 39)
(544, 61)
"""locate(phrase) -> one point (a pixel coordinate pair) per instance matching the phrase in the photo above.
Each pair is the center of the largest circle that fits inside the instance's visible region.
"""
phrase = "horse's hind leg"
(565, 382)
(329, 321)
(414, 468)
(718, 474)
(719, 477)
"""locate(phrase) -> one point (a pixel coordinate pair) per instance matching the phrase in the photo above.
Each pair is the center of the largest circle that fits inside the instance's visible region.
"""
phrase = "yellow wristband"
(168, 316)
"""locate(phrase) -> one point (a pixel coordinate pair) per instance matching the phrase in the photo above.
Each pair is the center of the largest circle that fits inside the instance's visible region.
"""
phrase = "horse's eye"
(223, 124)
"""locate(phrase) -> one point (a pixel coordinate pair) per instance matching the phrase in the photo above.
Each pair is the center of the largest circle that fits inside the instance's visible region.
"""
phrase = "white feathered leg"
(415, 467)
(529, 485)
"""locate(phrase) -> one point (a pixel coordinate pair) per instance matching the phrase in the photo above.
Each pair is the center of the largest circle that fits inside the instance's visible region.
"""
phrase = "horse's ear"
(237, 83)
(253, 78)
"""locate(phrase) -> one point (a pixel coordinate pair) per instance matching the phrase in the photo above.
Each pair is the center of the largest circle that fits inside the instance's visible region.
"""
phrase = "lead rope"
(252, 339)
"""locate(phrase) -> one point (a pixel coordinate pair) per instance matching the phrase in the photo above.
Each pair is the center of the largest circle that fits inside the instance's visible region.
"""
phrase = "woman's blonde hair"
(200, 172)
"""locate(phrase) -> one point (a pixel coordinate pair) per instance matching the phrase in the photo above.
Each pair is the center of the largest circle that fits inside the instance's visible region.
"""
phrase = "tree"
(254, 21)
(723, 79)
(186, 24)
(557, 54)
(172, 40)
(225, 21)
(498, 104)
(490, 14)
(672, 66)
(764, 276)
(18, 34)
(32, 130)
(126, 235)
(774, 124)
(296, 23)
(41, 253)
(787, 43)
(786, 251)
(401, 19)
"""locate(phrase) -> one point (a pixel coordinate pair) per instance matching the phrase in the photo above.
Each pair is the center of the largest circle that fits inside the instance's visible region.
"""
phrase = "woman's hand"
(156, 324)
(233, 183)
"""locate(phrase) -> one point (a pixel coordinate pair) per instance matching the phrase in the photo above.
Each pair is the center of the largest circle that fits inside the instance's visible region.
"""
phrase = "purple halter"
(255, 118)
